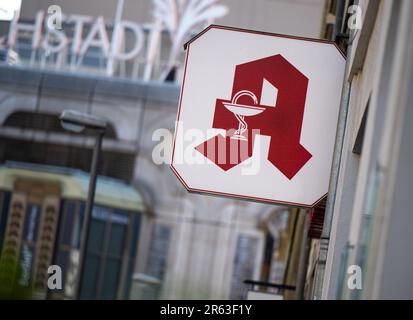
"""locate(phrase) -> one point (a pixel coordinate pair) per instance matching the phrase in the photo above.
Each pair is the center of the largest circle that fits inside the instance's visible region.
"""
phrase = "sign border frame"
(224, 194)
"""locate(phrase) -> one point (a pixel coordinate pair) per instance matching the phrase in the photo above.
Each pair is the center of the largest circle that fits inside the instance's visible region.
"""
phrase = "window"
(116, 164)
(157, 260)
(4, 207)
(158, 252)
(244, 265)
(358, 144)
(106, 246)
(90, 277)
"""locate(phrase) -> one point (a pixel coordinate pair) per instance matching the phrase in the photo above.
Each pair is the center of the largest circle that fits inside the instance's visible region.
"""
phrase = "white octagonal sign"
(258, 115)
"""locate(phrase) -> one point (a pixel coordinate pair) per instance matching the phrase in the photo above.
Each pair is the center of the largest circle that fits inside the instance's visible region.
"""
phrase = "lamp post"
(75, 121)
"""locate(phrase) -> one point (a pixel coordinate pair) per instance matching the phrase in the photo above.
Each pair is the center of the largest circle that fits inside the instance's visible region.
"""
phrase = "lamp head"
(76, 121)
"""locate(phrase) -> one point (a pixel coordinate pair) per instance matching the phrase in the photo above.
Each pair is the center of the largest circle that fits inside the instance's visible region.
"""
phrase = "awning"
(74, 184)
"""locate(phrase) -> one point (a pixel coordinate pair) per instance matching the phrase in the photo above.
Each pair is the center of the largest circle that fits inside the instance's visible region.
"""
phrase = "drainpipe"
(335, 169)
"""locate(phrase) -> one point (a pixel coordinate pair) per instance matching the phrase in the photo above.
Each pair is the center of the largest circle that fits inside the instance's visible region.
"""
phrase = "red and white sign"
(258, 115)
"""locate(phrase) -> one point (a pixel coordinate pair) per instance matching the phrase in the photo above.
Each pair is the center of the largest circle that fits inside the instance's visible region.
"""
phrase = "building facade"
(364, 251)
(182, 245)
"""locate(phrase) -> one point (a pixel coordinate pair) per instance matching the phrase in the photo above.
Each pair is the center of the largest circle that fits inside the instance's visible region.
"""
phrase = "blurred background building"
(149, 237)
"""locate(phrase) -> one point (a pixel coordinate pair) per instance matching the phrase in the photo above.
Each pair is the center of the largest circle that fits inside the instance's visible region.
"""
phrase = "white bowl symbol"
(241, 111)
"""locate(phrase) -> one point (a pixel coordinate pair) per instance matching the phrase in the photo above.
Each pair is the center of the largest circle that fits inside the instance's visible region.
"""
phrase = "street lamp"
(76, 121)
